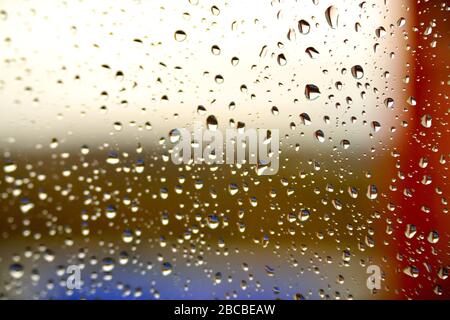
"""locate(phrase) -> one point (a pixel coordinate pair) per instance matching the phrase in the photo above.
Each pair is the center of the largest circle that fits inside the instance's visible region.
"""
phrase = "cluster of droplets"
(120, 209)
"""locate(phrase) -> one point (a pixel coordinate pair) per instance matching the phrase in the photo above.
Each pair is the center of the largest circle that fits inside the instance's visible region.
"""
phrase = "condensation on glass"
(91, 96)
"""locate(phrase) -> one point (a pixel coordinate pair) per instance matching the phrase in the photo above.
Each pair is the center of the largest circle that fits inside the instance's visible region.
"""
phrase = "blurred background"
(90, 91)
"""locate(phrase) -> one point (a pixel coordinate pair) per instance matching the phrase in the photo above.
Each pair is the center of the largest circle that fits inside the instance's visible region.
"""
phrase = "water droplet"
(180, 35)
(380, 32)
(16, 270)
(215, 10)
(263, 52)
(376, 126)
(233, 189)
(411, 271)
(174, 135)
(211, 123)
(312, 52)
(291, 34)
(312, 92)
(84, 149)
(426, 121)
(213, 221)
(411, 101)
(433, 237)
(117, 126)
(320, 136)
(372, 192)
(410, 231)
(332, 15)
(306, 120)
(269, 271)
(389, 102)
(215, 50)
(26, 205)
(303, 27)
(345, 144)
(218, 278)
(281, 59)
(113, 158)
(108, 264)
(357, 72)
(111, 211)
(127, 236)
(304, 214)
(219, 79)
(9, 167)
(201, 110)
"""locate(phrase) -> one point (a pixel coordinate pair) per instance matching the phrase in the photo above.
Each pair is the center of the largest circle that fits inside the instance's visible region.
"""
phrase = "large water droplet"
(180, 35)
(332, 15)
(174, 135)
(211, 123)
(306, 120)
(303, 27)
(312, 92)
(357, 72)
(426, 121)
(16, 270)
(320, 136)
(166, 269)
(281, 59)
(312, 52)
